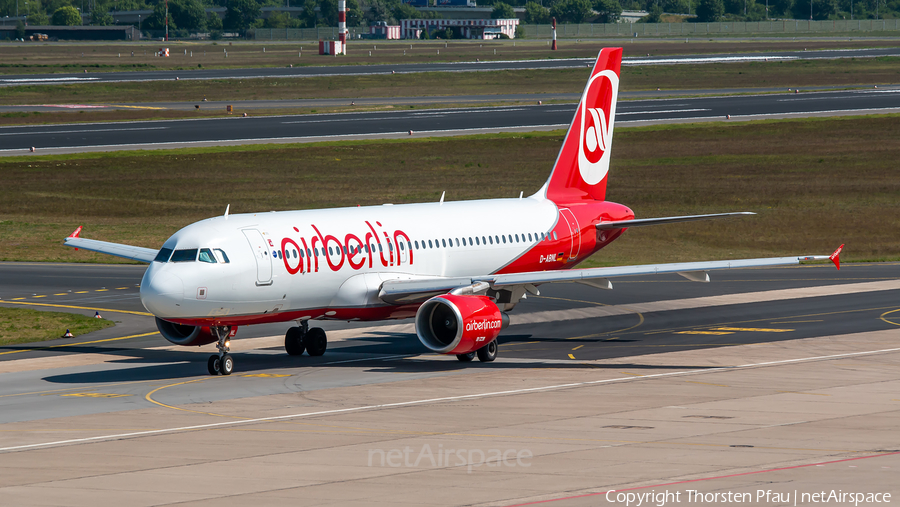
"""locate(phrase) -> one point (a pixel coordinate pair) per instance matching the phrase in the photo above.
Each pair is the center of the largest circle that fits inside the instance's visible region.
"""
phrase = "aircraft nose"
(161, 292)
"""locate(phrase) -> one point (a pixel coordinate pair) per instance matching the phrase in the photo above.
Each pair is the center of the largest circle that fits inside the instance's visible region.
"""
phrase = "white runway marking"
(714, 59)
(661, 112)
(446, 399)
(48, 79)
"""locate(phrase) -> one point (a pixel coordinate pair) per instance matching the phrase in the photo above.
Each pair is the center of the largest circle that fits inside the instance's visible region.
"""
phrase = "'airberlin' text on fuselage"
(366, 249)
(484, 325)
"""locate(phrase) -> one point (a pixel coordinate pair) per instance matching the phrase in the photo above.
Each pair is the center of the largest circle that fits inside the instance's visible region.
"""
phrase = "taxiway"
(74, 138)
(782, 379)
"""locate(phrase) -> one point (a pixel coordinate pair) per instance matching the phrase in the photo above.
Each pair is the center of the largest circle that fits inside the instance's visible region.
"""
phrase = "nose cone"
(161, 292)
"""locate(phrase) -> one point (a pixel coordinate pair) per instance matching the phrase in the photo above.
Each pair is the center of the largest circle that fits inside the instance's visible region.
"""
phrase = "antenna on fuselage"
(226, 211)
(442, 196)
(521, 193)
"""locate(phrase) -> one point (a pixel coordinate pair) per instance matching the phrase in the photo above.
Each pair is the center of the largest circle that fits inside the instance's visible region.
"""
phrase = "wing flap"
(407, 291)
(135, 253)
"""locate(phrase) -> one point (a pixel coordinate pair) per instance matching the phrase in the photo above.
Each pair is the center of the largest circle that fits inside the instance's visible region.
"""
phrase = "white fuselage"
(318, 263)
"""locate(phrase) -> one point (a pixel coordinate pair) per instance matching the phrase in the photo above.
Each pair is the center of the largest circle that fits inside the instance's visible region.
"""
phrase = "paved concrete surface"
(733, 419)
(747, 383)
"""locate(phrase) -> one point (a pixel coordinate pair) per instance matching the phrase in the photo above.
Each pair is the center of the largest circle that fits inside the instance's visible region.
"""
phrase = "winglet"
(836, 257)
(76, 233)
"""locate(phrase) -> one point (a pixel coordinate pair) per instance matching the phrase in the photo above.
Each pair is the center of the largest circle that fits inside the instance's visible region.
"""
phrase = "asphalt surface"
(137, 355)
(362, 70)
(17, 140)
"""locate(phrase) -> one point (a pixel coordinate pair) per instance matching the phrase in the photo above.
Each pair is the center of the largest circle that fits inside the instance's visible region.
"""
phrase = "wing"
(134, 253)
(516, 284)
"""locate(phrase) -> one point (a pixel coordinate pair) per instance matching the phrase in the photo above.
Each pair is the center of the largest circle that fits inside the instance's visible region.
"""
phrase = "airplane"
(457, 268)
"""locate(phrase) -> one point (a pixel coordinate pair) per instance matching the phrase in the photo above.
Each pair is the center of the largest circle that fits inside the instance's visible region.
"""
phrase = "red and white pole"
(342, 25)
(553, 26)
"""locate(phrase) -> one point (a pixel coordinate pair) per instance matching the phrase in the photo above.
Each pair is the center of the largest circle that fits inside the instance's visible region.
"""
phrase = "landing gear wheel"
(293, 341)
(316, 342)
(213, 365)
(488, 353)
(465, 358)
(226, 364)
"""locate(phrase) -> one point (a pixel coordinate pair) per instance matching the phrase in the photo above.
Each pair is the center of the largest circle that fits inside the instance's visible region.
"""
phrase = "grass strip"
(22, 325)
(816, 183)
(787, 74)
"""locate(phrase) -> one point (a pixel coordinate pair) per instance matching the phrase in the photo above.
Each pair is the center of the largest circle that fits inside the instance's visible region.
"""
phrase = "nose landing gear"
(222, 363)
(300, 338)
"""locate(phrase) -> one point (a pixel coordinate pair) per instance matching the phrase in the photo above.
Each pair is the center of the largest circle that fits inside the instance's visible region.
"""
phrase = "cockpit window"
(206, 255)
(220, 254)
(189, 255)
(163, 255)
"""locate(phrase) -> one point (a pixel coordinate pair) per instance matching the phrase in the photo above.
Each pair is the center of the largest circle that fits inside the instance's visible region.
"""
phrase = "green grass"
(786, 74)
(23, 325)
(815, 183)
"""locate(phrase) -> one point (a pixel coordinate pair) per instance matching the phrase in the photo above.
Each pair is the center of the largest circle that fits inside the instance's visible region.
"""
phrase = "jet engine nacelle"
(180, 334)
(452, 324)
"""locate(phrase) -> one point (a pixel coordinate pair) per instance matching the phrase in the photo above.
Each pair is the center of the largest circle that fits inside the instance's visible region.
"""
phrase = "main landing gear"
(222, 363)
(300, 338)
(485, 354)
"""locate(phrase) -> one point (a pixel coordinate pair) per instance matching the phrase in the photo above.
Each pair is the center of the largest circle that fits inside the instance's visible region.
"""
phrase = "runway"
(482, 66)
(74, 138)
(766, 372)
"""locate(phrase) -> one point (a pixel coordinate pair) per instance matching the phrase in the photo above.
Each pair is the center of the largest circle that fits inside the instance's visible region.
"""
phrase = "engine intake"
(452, 324)
(180, 334)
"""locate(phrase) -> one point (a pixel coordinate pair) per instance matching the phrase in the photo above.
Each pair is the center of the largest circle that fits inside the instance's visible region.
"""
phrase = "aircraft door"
(263, 256)
(574, 231)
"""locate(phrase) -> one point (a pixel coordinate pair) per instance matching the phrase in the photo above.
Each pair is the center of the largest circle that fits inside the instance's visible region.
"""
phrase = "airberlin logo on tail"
(597, 126)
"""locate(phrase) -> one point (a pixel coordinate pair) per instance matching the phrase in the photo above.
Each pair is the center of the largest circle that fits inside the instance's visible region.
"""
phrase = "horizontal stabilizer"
(638, 222)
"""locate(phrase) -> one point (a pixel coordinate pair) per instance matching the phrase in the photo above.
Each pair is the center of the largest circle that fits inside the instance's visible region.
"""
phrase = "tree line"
(189, 16)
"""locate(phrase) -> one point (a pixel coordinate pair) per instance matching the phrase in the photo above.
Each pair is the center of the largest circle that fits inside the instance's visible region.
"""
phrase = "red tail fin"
(836, 257)
(583, 162)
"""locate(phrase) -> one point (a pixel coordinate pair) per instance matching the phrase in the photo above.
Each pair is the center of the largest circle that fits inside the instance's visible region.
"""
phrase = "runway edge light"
(836, 257)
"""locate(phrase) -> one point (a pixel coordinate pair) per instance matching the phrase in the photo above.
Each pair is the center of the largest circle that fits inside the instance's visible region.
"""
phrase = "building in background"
(469, 28)
(54, 33)
(382, 30)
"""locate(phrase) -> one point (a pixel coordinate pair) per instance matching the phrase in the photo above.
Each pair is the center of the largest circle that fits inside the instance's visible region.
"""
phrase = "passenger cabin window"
(220, 255)
(163, 255)
(206, 255)
(188, 255)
